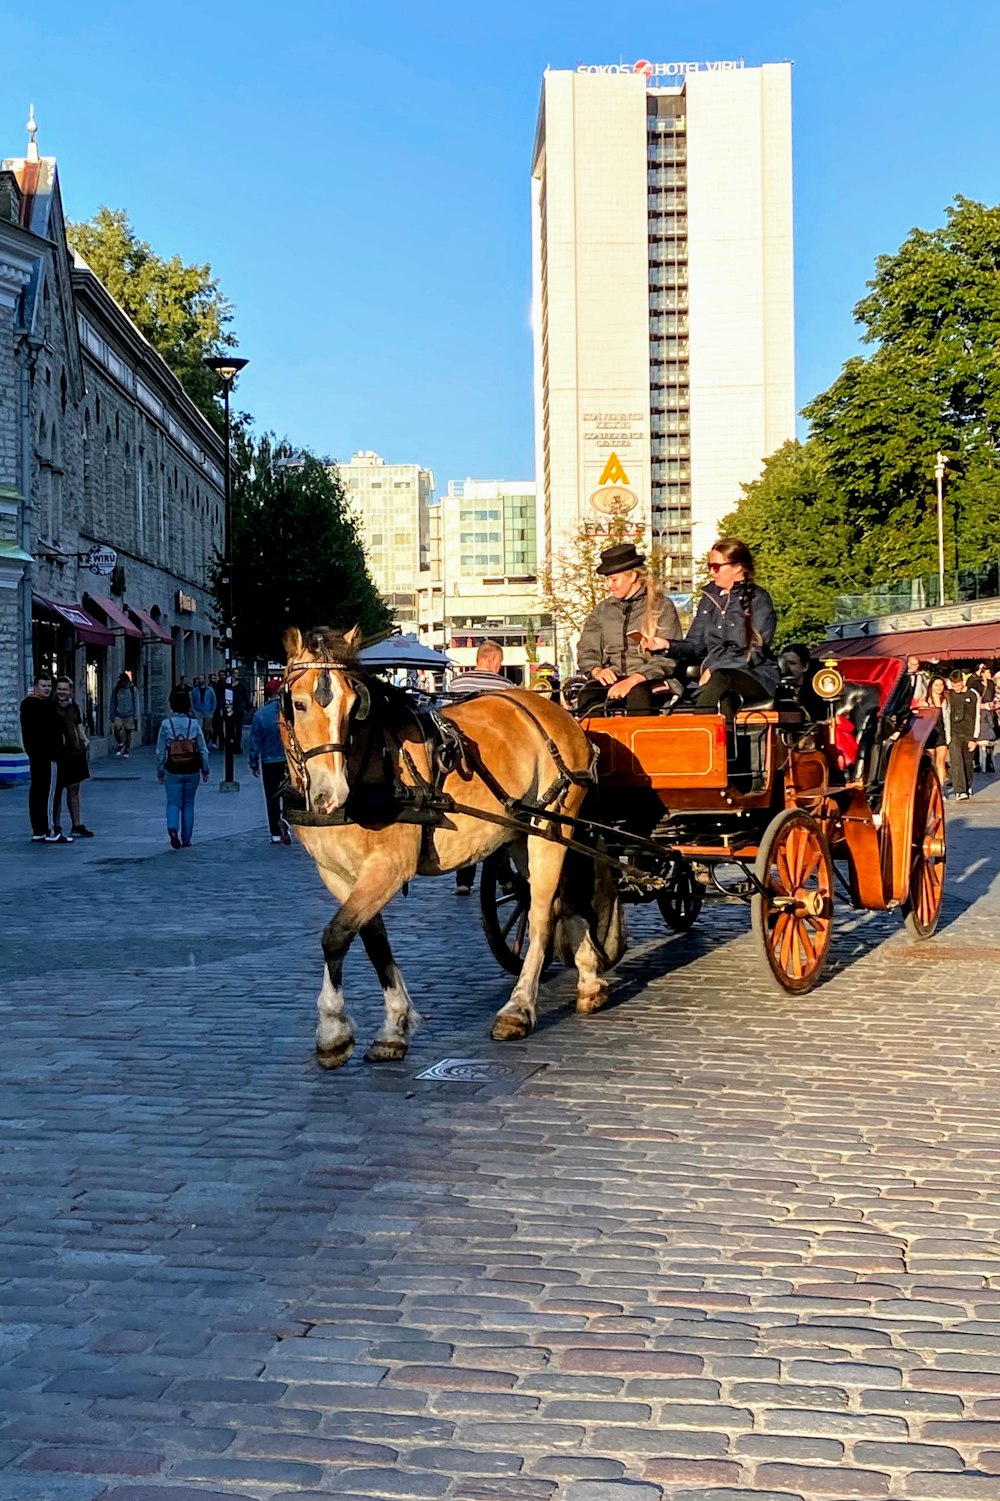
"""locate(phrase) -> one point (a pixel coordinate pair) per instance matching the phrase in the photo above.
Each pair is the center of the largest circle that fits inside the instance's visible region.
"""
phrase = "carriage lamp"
(227, 367)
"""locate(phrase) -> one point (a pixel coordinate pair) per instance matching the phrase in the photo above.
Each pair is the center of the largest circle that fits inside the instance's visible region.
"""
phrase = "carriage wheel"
(505, 902)
(793, 920)
(922, 907)
(680, 901)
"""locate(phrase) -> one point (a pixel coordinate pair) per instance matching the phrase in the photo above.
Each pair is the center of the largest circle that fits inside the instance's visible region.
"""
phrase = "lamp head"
(226, 366)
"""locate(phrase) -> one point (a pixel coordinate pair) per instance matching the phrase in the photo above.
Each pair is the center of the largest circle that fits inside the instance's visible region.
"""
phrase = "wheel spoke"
(519, 911)
(811, 865)
(518, 944)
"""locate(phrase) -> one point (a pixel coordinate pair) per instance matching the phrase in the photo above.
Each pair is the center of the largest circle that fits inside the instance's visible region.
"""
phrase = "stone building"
(101, 450)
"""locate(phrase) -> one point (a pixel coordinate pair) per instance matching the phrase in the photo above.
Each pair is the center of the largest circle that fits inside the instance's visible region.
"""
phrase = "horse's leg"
(591, 989)
(517, 1018)
(334, 1028)
(400, 1013)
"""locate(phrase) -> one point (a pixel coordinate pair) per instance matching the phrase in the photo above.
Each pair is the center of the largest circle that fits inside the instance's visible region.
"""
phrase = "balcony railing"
(961, 586)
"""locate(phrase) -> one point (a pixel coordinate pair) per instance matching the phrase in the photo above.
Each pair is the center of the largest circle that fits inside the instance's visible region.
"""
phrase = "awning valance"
(943, 643)
(86, 627)
(153, 627)
(113, 614)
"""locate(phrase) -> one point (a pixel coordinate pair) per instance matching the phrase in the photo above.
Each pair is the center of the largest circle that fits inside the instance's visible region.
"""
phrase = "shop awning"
(153, 627)
(87, 628)
(113, 614)
(943, 643)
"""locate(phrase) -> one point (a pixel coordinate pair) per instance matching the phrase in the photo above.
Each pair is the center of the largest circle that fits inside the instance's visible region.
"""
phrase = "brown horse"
(356, 748)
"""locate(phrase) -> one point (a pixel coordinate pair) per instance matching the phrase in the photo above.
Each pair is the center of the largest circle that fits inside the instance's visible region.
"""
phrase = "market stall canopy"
(113, 614)
(155, 628)
(402, 651)
(945, 643)
(87, 628)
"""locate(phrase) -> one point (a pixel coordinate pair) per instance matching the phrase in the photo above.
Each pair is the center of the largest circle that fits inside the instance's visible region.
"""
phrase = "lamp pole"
(227, 368)
(940, 469)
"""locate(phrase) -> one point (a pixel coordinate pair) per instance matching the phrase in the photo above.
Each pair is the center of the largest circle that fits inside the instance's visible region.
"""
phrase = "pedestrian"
(124, 714)
(41, 736)
(181, 757)
(216, 685)
(242, 710)
(984, 683)
(485, 677)
(937, 741)
(72, 766)
(919, 682)
(267, 761)
(962, 716)
(203, 706)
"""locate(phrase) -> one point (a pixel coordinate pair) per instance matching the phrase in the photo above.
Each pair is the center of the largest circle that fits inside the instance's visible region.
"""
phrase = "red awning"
(114, 614)
(154, 627)
(86, 627)
(943, 643)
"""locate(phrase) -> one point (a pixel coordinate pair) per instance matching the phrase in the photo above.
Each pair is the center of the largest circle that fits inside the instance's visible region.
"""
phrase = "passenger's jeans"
(181, 789)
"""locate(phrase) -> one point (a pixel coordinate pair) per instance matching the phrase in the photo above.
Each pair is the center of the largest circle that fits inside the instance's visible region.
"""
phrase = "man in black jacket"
(963, 732)
(42, 737)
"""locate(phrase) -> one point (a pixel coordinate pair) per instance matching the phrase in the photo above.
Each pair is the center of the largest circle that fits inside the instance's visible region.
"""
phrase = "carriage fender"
(898, 799)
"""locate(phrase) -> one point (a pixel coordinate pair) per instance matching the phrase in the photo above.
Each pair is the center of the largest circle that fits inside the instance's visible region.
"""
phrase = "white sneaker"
(275, 838)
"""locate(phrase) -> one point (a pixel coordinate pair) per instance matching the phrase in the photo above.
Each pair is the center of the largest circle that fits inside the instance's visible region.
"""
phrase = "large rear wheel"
(792, 915)
(505, 902)
(922, 907)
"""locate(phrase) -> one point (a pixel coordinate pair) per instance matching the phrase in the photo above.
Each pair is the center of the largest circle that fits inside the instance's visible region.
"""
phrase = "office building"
(390, 502)
(663, 296)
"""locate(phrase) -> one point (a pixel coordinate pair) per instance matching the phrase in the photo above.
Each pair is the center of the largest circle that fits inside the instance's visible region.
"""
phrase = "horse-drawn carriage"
(572, 818)
(772, 811)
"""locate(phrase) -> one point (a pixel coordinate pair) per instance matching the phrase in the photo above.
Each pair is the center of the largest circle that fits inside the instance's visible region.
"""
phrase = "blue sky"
(357, 175)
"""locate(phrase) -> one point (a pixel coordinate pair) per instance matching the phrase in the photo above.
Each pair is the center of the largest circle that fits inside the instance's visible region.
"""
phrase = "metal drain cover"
(477, 1070)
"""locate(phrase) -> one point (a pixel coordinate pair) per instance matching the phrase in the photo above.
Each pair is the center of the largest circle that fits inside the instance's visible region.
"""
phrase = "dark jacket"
(604, 639)
(963, 714)
(41, 729)
(717, 637)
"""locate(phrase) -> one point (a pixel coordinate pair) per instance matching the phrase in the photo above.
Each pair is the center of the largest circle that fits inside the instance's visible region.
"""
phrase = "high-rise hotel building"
(663, 296)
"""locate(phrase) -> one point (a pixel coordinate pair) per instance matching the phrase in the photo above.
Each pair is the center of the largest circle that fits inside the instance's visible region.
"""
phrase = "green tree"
(932, 382)
(799, 529)
(178, 307)
(297, 557)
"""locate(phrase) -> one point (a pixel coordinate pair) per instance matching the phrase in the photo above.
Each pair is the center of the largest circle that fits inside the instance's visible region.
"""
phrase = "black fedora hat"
(620, 559)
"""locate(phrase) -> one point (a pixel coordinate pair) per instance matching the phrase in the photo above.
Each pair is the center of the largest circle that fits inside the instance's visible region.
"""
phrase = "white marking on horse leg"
(591, 990)
(401, 1020)
(334, 1031)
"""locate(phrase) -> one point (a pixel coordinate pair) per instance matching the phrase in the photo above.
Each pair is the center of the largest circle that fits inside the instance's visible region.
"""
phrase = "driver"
(609, 654)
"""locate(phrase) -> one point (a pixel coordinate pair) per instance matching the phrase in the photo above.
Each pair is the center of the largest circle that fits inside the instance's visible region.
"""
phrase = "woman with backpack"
(181, 758)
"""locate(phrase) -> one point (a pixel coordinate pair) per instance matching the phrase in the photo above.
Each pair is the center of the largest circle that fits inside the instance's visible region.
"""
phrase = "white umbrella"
(402, 651)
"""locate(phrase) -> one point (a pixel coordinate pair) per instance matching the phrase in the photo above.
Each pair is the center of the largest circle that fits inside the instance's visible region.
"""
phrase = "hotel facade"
(663, 297)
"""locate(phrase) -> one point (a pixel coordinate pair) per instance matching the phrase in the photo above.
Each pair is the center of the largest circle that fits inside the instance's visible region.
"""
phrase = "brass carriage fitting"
(934, 848)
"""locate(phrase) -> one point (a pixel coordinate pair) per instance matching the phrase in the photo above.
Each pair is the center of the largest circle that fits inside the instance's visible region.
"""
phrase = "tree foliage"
(571, 588)
(855, 505)
(178, 307)
(297, 558)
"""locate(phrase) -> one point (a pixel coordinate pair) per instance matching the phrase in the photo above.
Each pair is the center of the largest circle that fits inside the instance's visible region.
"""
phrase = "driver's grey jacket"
(604, 639)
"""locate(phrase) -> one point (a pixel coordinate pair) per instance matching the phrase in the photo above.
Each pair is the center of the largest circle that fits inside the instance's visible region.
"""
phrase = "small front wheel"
(792, 915)
(680, 900)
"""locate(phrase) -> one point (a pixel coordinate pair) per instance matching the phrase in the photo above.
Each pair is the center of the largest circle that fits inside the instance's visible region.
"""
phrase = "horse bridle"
(323, 694)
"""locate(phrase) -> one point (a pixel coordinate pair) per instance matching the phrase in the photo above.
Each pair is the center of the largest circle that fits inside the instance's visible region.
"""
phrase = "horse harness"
(421, 800)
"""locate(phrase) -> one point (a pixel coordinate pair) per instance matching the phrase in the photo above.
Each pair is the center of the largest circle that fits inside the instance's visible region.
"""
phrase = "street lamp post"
(940, 469)
(227, 368)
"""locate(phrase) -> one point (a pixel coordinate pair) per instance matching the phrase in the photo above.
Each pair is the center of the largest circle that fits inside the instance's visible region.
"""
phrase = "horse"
(357, 750)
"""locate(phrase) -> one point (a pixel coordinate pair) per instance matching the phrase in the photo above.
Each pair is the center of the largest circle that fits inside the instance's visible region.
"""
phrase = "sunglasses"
(714, 567)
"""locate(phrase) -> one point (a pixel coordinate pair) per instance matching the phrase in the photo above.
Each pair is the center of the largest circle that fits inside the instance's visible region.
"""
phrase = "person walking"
(72, 766)
(485, 677)
(181, 757)
(962, 717)
(41, 736)
(267, 761)
(124, 714)
(983, 682)
(203, 706)
(214, 735)
(242, 709)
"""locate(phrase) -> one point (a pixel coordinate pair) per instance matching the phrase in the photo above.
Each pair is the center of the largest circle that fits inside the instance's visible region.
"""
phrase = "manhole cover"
(477, 1070)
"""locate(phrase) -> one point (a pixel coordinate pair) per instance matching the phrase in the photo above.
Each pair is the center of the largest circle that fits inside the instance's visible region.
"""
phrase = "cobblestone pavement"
(711, 1242)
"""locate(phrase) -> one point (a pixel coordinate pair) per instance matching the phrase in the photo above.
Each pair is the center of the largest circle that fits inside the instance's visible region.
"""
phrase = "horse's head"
(322, 692)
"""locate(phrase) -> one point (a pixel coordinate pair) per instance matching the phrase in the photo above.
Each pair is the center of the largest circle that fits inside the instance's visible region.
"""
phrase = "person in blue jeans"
(181, 759)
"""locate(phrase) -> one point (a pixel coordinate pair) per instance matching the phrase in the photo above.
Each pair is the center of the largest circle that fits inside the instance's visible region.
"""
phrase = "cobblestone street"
(710, 1243)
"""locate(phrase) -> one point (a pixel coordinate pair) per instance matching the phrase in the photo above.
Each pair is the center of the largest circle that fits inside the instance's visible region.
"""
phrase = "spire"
(32, 154)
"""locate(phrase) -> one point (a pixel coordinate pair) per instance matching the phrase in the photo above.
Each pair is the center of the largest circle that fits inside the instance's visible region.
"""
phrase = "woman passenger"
(730, 635)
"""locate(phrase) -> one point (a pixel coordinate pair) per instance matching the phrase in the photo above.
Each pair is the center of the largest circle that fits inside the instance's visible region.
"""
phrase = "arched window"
(108, 487)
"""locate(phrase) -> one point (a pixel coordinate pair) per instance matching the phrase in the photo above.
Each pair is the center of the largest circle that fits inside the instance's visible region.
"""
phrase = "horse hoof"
(335, 1057)
(592, 1000)
(385, 1050)
(509, 1025)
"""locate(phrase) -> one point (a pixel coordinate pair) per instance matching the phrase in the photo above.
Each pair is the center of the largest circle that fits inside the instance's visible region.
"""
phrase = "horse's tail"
(590, 891)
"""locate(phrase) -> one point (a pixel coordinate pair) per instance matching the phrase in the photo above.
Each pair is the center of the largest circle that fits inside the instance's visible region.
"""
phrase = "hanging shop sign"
(100, 558)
